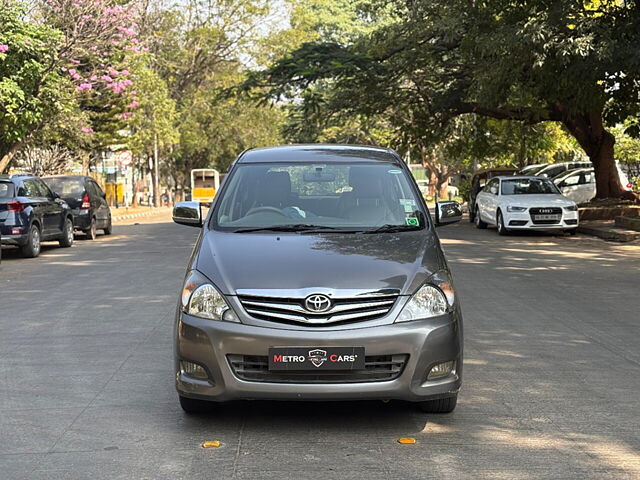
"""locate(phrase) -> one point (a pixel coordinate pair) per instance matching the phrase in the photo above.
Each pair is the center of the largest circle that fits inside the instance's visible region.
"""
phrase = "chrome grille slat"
(292, 310)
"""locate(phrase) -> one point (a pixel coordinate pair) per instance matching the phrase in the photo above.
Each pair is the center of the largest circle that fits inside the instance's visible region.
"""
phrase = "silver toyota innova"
(318, 275)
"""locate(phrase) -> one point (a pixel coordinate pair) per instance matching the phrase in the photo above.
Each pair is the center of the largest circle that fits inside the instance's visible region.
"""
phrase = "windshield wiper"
(299, 227)
(389, 228)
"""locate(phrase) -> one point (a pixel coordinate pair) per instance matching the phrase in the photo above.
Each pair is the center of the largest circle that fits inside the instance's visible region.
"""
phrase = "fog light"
(193, 370)
(441, 370)
(16, 231)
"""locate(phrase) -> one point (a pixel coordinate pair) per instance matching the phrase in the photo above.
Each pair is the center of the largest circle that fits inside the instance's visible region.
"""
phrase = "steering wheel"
(266, 209)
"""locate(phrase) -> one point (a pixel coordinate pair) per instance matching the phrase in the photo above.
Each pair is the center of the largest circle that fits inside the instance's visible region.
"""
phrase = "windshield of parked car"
(528, 186)
(66, 187)
(337, 196)
(6, 189)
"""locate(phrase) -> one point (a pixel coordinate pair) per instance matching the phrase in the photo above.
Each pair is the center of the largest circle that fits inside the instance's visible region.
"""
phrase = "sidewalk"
(118, 214)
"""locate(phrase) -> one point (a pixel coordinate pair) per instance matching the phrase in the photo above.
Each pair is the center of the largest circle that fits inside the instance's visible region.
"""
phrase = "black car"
(30, 213)
(87, 201)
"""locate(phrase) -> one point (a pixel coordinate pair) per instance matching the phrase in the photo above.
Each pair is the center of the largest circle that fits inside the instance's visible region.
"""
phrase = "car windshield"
(66, 187)
(334, 196)
(6, 189)
(528, 186)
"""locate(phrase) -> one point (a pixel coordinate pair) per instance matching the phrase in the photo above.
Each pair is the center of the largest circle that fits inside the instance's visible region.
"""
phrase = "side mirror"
(448, 212)
(188, 213)
(55, 195)
(494, 191)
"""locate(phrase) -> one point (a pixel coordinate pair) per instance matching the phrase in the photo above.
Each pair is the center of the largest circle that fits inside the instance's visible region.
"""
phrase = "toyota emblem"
(317, 303)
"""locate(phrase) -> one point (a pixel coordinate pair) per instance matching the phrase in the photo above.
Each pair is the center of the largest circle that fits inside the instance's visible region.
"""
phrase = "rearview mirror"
(188, 213)
(448, 212)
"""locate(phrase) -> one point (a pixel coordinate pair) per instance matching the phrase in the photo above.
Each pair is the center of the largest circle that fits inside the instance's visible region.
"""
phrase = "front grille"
(377, 368)
(292, 310)
(545, 211)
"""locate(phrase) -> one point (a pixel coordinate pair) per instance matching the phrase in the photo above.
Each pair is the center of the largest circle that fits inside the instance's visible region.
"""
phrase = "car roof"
(324, 153)
(496, 169)
(519, 177)
(16, 176)
(74, 177)
(567, 173)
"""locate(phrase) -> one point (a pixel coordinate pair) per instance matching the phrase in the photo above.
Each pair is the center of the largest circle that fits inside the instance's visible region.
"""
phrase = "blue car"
(30, 213)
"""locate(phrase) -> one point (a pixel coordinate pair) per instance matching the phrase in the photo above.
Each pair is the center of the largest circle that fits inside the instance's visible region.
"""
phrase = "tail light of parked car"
(86, 202)
(15, 207)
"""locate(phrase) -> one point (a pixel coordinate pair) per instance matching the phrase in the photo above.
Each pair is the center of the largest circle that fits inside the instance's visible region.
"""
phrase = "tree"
(532, 61)
(61, 55)
(52, 160)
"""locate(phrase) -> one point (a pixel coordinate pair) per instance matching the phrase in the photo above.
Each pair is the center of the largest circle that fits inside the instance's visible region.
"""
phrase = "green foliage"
(431, 61)
(29, 86)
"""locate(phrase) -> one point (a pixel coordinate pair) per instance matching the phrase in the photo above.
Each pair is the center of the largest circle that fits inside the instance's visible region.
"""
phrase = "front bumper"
(426, 342)
(523, 221)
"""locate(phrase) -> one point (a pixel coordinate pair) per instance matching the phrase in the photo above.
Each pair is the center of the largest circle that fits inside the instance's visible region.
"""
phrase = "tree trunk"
(598, 144)
(5, 160)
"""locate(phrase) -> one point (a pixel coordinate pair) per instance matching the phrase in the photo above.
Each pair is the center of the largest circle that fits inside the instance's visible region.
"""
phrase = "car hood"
(541, 200)
(326, 262)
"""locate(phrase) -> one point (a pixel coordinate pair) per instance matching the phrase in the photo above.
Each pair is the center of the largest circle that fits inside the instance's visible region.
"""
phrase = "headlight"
(513, 208)
(427, 302)
(571, 208)
(201, 299)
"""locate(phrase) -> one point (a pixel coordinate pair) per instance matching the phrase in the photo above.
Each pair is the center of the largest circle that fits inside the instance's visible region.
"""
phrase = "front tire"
(92, 231)
(109, 228)
(32, 248)
(478, 221)
(502, 230)
(441, 405)
(67, 234)
(194, 406)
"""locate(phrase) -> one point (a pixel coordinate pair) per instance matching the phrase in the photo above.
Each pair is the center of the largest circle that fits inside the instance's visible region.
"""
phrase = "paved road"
(551, 389)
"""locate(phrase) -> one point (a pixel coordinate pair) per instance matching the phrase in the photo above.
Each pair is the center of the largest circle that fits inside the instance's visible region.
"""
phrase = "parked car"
(87, 200)
(30, 213)
(423, 185)
(480, 179)
(578, 184)
(297, 292)
(554, 169)
(524, 203)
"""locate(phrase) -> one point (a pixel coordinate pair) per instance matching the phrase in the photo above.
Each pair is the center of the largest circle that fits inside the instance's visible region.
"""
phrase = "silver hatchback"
(318, 275)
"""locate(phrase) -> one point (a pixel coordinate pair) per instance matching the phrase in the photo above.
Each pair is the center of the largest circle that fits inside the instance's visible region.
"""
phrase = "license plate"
(547, 217)
(319, 358)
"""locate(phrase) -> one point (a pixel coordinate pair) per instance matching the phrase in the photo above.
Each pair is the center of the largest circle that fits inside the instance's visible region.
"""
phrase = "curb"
(608, 232)
(128, 216)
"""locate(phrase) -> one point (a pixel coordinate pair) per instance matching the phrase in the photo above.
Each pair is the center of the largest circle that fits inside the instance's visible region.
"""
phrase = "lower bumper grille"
(378, 368)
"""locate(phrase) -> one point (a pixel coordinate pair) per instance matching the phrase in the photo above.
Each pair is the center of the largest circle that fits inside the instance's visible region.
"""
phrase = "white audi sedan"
(524, 203)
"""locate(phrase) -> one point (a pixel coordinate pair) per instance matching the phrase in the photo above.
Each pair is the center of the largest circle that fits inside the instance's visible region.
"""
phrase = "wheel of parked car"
(109, 228)
(478, 220)
(502, 230)
(441, 405)
(32, 248)
(192, 405)
(92, 231)
(67, 234)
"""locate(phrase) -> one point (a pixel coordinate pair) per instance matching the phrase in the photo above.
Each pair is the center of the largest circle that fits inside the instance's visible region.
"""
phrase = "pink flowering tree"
(65, 55)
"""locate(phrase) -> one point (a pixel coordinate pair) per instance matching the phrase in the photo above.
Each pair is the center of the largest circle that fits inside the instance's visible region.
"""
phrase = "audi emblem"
(317, 303)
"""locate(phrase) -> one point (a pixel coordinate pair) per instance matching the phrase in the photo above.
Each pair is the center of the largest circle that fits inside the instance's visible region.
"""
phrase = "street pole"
(156, 182)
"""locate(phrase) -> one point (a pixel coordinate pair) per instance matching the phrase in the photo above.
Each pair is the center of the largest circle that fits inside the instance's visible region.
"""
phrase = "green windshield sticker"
(412, 222)
(395, 172)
